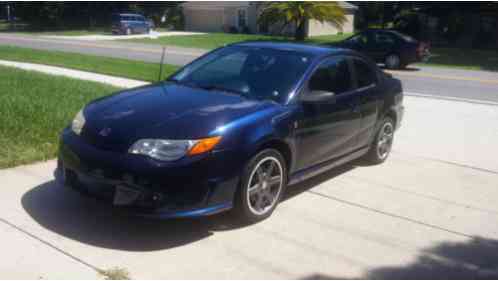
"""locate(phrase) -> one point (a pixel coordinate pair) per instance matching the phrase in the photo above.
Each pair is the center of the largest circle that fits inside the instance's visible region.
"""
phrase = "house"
(227, 16)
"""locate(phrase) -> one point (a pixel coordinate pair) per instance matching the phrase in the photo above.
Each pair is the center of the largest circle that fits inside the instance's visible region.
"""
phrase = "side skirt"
(325, 166)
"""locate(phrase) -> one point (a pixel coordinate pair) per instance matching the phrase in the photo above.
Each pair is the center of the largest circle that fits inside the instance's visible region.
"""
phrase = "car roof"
(311, 49)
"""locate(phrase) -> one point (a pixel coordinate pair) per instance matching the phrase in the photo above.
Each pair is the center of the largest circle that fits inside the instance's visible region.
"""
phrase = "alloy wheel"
(392, 61)
(385, 140)
(264, 186)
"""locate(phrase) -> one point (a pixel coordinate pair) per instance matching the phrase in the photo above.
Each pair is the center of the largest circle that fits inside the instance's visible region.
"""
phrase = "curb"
(418, 95)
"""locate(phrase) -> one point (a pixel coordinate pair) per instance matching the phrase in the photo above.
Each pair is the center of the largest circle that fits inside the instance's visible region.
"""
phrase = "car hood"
(167, 111)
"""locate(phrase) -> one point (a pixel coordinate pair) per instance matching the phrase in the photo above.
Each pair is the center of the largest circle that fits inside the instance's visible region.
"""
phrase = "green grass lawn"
(34, 109)
(215, 40)
(111, 66)
(463, 58)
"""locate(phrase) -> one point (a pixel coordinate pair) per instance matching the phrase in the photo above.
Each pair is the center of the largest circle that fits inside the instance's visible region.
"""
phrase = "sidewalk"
(76, 74)
(98, 37)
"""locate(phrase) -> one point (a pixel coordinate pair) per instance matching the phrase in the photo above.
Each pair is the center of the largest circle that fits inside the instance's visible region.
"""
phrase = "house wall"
(315, 28)
(204, 20)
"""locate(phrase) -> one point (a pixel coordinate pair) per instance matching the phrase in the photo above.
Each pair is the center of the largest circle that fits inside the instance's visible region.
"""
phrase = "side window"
(332, 76)
(365, 75)
(361, 39)
(385, 39)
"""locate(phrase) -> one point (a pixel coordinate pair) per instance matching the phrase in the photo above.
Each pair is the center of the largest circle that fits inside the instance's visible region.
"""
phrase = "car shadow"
(87, 220)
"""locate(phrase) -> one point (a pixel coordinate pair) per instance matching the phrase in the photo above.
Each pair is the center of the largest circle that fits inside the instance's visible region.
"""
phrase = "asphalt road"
(474, 85)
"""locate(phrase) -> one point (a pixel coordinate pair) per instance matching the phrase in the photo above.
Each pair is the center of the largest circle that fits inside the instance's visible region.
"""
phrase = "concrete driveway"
(430, 211)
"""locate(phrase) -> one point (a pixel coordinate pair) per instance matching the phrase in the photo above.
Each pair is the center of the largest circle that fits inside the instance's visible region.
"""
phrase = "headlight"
(78, 122)
(170, 150)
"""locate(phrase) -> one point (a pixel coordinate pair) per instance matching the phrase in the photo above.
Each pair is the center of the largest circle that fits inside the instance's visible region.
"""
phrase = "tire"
(381, 146)
(392, 61)
(128, 31)
(257, 187)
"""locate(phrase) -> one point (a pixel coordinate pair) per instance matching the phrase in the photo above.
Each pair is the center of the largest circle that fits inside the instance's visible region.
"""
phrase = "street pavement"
(428, 212)
(477, 85)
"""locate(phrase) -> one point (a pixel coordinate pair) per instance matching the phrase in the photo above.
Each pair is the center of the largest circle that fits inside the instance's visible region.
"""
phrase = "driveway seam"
(391, 214)
(46, 243)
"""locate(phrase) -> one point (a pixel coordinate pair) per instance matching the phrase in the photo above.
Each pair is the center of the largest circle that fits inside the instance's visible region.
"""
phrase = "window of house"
(242, 18)
(332, 76)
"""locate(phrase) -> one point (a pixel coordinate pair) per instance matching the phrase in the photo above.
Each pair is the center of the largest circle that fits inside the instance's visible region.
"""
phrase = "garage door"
(202, 20)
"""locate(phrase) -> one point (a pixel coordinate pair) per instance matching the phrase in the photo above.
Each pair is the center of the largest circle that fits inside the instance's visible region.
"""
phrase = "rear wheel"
(392, 61)
(262, 185)
(381, 146)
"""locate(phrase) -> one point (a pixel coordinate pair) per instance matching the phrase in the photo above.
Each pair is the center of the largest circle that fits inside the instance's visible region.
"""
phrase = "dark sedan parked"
(130, 24)
(231, 130)
(393, 49)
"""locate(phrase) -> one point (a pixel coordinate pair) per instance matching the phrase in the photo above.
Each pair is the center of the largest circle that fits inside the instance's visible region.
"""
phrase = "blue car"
(231, 130)
(128, 24)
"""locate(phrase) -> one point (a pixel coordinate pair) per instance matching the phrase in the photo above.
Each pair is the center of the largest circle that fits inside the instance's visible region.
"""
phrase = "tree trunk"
(300, 32)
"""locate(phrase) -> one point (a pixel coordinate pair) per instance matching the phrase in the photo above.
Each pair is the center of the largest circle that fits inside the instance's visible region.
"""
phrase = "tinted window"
(384, 38)
(365, 76)
(332, 76)
(361, 39)
(255, 73)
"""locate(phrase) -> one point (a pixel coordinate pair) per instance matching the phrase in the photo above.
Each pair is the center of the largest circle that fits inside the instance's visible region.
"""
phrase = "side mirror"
(319, 97)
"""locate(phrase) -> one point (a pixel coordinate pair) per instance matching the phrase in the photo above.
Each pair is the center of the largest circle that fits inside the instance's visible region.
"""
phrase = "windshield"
(255, 73)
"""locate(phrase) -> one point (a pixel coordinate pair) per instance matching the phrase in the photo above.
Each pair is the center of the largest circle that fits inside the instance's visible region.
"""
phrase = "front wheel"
(381, 146)
(261, 187)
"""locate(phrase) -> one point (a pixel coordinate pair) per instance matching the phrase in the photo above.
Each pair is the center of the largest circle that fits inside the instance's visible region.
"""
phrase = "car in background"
(231, 130)
(128, 24)
(389, 47)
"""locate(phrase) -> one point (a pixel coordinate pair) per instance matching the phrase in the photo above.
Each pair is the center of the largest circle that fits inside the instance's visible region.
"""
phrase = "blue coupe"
(231, 130)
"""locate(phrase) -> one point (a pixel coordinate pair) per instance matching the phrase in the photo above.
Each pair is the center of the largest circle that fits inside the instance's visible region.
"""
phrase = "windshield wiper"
(222, 89)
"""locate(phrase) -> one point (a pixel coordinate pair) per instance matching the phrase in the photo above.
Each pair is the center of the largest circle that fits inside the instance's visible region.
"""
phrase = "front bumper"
(188, 188)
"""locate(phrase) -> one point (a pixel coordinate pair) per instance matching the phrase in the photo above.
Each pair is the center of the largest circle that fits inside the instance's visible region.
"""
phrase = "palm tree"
(298, 13)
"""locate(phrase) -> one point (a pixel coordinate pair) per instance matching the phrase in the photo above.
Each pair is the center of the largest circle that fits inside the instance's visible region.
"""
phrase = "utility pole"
(8, 12)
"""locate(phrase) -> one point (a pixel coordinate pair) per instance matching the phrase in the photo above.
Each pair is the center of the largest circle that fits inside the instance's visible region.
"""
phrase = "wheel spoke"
(274, 181)
(261, 176)
(255, 188)
(260, 202)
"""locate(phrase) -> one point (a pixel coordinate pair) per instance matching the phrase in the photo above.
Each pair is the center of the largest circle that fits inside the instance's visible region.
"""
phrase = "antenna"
(161, 66)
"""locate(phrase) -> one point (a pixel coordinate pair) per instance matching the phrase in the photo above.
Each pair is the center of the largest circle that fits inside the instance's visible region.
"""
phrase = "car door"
(327, 129)
(367, 92)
